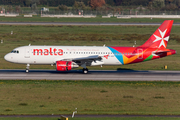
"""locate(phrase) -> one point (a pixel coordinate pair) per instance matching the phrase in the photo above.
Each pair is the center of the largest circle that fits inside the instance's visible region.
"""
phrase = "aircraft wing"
(94, 57)
(87, 60)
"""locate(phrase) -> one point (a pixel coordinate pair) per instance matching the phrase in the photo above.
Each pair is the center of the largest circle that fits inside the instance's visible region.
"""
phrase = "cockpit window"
(15, 51)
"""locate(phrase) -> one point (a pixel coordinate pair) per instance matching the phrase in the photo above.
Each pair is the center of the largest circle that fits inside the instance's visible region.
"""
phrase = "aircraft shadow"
(118, 71)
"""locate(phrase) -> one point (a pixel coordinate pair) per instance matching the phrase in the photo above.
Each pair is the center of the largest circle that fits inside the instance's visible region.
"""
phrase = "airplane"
(67, 57)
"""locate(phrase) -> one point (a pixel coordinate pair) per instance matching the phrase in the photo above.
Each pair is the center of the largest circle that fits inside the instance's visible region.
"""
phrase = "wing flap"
(93, 57)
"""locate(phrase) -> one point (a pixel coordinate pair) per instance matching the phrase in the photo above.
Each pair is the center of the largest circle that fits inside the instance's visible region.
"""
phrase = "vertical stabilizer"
(160, 37)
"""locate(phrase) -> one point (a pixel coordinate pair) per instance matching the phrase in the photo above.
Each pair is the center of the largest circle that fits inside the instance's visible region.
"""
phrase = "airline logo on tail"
(160, 37)
(163, 40)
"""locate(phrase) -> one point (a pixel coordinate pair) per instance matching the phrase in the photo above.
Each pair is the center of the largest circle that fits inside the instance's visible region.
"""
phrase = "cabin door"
(27, 53)
(140, 53)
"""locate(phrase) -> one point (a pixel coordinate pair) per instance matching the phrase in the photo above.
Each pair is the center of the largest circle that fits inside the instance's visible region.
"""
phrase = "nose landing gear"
(27, 68)
(85, 70)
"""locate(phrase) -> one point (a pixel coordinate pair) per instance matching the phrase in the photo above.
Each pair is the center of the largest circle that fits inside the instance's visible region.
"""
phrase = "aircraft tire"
(85, 70)
(27, 70)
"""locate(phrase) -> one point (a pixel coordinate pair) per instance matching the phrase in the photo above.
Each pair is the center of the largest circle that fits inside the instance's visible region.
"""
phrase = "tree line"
(94, 4)
(86, 2)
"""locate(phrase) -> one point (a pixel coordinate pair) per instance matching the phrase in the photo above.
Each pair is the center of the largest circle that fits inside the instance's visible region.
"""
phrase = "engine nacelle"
(65, 65)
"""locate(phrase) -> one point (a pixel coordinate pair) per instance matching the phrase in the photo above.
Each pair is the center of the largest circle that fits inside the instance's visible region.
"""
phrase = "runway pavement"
(97, 75)
(73, 23)
(76, 23)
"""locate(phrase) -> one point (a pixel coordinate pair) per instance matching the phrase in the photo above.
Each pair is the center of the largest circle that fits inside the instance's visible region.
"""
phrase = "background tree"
(27, 3)
(158, 4)
(118, 2)
(63, 7)
(102, 8)
(110, 2)
(96, 3)
(167, 2)
(139, 2)
(170, 7)
(18, 8)
(79, 6)
(178, 3)
(9, 8)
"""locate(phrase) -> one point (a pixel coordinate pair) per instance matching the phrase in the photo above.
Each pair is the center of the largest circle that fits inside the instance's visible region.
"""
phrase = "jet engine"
(65, 65)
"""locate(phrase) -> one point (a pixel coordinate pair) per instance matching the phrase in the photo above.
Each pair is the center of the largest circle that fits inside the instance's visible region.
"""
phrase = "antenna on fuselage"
(104, 45)
(134, 43)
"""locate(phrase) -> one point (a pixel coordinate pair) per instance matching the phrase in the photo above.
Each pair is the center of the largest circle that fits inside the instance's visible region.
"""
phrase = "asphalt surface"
(76, 23)
(98, 75)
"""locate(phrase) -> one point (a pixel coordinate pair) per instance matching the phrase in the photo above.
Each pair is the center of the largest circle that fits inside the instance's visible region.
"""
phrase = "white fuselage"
(51, 54)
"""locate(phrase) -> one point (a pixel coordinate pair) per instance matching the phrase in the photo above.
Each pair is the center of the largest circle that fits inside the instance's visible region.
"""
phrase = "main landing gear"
(85, 70)
(27, 68)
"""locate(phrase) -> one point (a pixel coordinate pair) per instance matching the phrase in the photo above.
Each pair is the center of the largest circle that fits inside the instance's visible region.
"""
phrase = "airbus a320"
(68, 57)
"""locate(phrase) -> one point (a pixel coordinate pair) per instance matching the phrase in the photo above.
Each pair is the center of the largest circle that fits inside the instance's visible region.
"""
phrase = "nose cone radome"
(8, 57)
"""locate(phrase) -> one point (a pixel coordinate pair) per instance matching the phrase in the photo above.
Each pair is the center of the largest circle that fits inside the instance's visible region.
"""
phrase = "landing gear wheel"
(85, 70)
(27, 68)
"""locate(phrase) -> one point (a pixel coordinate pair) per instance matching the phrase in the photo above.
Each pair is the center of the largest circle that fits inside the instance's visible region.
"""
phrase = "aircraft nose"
(8, 58)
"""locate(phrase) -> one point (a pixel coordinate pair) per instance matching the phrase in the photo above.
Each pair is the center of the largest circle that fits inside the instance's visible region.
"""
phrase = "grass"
(62, 97)
(86, 35)
(91, 20)
(113, 118)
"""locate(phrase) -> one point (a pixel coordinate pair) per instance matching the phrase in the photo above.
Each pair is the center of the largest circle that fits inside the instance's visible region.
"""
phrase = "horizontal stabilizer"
(157, 53)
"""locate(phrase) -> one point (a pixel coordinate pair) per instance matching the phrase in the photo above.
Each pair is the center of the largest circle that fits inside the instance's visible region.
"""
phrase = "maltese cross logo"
(161, 38)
